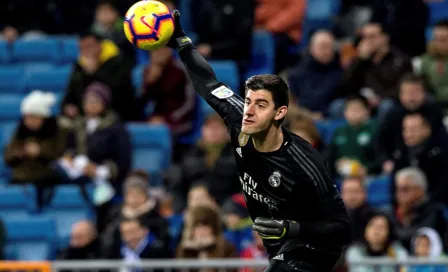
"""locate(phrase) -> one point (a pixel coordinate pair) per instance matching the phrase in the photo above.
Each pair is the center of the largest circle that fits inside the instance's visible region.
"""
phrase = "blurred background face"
(199, 196)
(353, 193)
(259, 112)
(406, 191)
(356, 113)
(440, 40)
(232, 220)
(203, 231)
(415, 131)
(33, 122)
(135, 198)
(422, 246)
(90, 47)
(412, 95)
(132, 233)
(373, 34)
(93, 105)
(377, 231)
(214, 132)
(106, 15)
(82, 235)
(322, 47)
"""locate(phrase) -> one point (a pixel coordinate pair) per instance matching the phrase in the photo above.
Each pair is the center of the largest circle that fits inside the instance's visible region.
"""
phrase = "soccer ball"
(149, 25)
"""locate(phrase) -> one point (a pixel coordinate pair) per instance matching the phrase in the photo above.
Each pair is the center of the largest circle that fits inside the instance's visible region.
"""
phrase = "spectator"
(303, 126)
(435, 63)
(137, 204)
(84, 244)
(414, 211)
(284, 18)
(100, 61)
(211, 162)
(255, 251)
(314, 82)
(379, 241)
(352, 15)
(105, 142)
(355, 199)
(206, 238)
(109, 25)
(138, 242)
(424, 150)
(237, 221)
(36, 143)
(224, 28)
(167, 85)
(412, 100)
(351, 149)
(376, 71)
(406, 21)
(427, 245)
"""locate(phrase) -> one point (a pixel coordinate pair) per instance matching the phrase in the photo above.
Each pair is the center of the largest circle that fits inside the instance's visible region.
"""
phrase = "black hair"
(48, 130)
(137, 220)
(357, 98)
(90, 34)
(442, 23)
(392, 232)
(425, 120)
(411, 78)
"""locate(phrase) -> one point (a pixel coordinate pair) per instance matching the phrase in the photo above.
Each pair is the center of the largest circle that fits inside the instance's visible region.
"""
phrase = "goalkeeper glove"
(179, 39)
(272, 229)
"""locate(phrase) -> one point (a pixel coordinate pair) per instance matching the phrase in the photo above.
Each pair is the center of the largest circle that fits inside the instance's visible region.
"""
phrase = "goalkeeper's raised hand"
(272, 229)
(179, 39)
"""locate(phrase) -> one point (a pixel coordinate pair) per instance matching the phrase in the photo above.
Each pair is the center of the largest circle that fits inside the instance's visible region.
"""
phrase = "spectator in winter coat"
(84, 244)
(351, 150)
(167, 86)
(379, 241)
(138, 243)
(427, 245)
(426, 151)
(237, 221)
(376, 72)
(353, 193)
(412, 99)
(100, 61)
(255, 251)
(211, 162)
(435, 64)
(38, 141)
(224, 28)
(414, 210)
(314, 82)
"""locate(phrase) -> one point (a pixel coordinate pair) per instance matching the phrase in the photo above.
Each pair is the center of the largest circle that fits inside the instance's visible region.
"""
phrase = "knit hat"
(236, 205)
(38, 103)
(100, 90)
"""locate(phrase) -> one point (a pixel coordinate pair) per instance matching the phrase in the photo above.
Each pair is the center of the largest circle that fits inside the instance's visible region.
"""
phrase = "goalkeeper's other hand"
(179, 39)
(272, 229)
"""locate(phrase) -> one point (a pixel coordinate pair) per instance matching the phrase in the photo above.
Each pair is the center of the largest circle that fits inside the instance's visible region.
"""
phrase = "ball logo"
(275, 179)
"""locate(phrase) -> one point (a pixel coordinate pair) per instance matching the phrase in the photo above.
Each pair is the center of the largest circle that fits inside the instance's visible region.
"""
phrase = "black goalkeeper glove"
(272, 229)
(179, 39)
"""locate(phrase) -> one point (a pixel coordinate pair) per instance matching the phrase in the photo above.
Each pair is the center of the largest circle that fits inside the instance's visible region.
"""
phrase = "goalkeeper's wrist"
(183, 42)
(293, 229)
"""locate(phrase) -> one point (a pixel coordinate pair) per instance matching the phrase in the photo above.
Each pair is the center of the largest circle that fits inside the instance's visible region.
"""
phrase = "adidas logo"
(238, 150)
(278, 257)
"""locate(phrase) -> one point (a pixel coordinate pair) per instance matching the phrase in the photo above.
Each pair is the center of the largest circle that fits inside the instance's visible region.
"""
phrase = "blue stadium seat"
(54, 80)
(379, 191)
(69, 50)
(321, 9)
(438, 10)
(263, 54)
(10, 106)
(5, 52)
(327, 128)
(151, 161)
(16, 201)
(185, 19)
(227, 72)
(11, 79)
(30, 238)
(37, 50)
(6, 131)
(137, 77)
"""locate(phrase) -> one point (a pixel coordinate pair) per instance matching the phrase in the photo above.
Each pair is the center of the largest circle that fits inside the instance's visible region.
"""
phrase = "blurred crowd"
(373, 69)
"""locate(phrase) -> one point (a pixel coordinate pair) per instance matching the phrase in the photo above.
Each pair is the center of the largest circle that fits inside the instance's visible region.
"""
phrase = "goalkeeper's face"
(260, 113)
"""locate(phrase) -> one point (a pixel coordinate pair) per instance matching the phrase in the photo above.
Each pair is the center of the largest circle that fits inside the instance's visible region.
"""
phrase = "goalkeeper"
(294, 203)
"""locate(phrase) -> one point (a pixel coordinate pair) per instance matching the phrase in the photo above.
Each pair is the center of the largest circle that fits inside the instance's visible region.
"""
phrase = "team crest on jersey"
(275, 179)
(243, 139)
(222, 92)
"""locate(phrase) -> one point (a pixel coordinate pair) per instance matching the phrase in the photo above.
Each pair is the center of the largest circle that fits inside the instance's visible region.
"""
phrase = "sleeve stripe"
(312, 170)
(235, 105)
(306, 169)
(239, 102)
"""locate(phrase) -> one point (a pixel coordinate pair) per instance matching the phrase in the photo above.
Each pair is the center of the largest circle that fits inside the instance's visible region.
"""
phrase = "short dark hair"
(442, 23)
(357, 98)
(425, 120)
(272, 83)
(125, 219)
(411, 78)
(90, 34)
